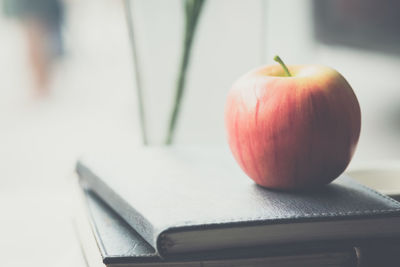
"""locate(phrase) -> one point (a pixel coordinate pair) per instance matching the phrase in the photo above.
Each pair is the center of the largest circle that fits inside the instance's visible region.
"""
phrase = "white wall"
(235, 36)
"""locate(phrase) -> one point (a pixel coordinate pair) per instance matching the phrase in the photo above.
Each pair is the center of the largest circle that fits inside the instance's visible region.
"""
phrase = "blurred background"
(69, 78)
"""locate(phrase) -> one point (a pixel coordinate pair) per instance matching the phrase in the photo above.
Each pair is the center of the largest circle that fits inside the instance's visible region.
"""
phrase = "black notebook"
(189, 200)
(107, 240)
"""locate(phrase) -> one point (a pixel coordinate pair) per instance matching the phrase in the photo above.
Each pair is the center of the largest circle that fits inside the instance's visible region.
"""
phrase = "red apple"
(292, 131)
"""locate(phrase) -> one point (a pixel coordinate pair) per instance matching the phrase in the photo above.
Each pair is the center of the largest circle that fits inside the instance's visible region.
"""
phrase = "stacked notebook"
(195, 207)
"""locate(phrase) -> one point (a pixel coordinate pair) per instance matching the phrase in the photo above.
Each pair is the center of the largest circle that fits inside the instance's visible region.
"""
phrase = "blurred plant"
(192, 13)
(139, 91)
(192, 10)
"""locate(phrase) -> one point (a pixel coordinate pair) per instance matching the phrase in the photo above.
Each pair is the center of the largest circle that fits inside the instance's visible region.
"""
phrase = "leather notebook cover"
(184, 200)
(106, 238)
(117, 242)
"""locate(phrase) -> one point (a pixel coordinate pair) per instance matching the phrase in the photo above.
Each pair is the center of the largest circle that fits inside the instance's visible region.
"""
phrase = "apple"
(294, 127)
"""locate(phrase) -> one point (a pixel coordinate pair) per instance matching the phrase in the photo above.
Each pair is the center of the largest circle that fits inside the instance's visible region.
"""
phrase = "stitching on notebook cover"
(389, 199)
(136, 255)
(312, 215)
(304, 215)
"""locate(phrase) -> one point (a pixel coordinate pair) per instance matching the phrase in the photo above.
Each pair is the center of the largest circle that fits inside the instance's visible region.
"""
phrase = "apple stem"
(280, 61)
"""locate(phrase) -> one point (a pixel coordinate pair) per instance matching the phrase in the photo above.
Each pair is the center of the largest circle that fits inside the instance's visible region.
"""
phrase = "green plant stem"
(192, 14)
(280, 61)
(139, 91)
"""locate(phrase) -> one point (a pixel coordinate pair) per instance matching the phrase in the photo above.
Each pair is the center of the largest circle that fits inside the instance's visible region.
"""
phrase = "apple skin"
(291, 133)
